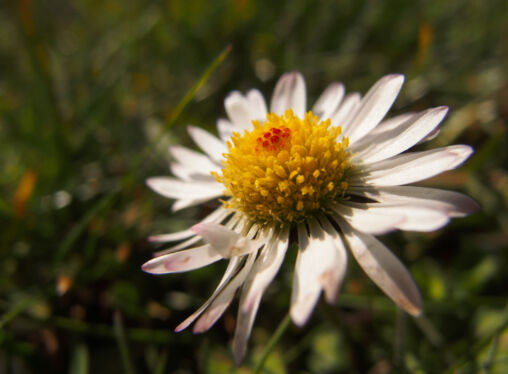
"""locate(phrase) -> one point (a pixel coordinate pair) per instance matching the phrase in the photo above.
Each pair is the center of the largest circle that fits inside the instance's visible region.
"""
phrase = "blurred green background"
(89, 97)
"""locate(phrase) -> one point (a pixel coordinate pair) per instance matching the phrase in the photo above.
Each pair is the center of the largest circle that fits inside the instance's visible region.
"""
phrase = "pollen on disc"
(285, 168)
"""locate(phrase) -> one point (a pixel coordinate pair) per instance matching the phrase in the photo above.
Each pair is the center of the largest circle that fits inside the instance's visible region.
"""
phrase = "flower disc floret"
(285, 168)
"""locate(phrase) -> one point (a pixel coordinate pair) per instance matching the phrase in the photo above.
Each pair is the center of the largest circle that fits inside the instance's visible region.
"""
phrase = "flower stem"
(272, 343)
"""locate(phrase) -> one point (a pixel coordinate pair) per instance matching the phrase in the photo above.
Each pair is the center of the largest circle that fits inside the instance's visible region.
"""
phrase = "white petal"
(384, 269)
(225, 241)
(211, 145)
(186, 260)
(391, 123)
(342, 116)
(231, 270)
(266, 267)
(216, 216)
(403, 216)
(217, 235)
(413, 167)
(432, 135)
(371, 219)
(289, 93)
(174, 236)
(222, 301)
(239, 111)
(192, 160)
(187, 174)
(186, 203)
(374, 106)
(235, 219)
(419, 218)
(177, 189)
(257, 105)
(331, 279)
(316, 265)
(452, 203)
(244, 323)
(380, 146)
(329, 101)
(225, 129)
(264, 270)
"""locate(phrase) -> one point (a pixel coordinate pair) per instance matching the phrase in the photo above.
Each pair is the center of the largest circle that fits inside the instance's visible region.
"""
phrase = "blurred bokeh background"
(93, 92)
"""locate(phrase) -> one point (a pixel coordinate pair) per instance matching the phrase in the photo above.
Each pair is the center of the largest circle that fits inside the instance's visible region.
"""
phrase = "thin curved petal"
(289, 93)
(186, 260)
(384, 269)
(413, 167)
(233, 267)
(244, 323)
(223, 299)
(374, 106)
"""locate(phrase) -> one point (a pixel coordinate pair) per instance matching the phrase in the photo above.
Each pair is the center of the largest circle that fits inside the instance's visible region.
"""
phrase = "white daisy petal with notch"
(185, 260)
(289, 93)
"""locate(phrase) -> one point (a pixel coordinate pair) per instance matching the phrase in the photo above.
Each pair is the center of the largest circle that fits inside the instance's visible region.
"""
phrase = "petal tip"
(146, 267)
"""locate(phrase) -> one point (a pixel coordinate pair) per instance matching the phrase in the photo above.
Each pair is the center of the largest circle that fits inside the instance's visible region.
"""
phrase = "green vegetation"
(93, 92)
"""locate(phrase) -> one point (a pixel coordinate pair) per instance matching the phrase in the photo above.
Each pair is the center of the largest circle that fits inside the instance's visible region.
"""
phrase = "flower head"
(335, 176)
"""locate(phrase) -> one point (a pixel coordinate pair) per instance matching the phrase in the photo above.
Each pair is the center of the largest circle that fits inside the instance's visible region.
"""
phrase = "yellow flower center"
(285, 168)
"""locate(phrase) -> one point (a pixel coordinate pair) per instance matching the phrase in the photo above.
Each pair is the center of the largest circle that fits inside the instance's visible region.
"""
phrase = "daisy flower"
(328, 179)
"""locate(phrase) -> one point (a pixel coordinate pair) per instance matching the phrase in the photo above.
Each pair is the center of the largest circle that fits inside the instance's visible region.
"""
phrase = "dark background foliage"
(88, 90)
